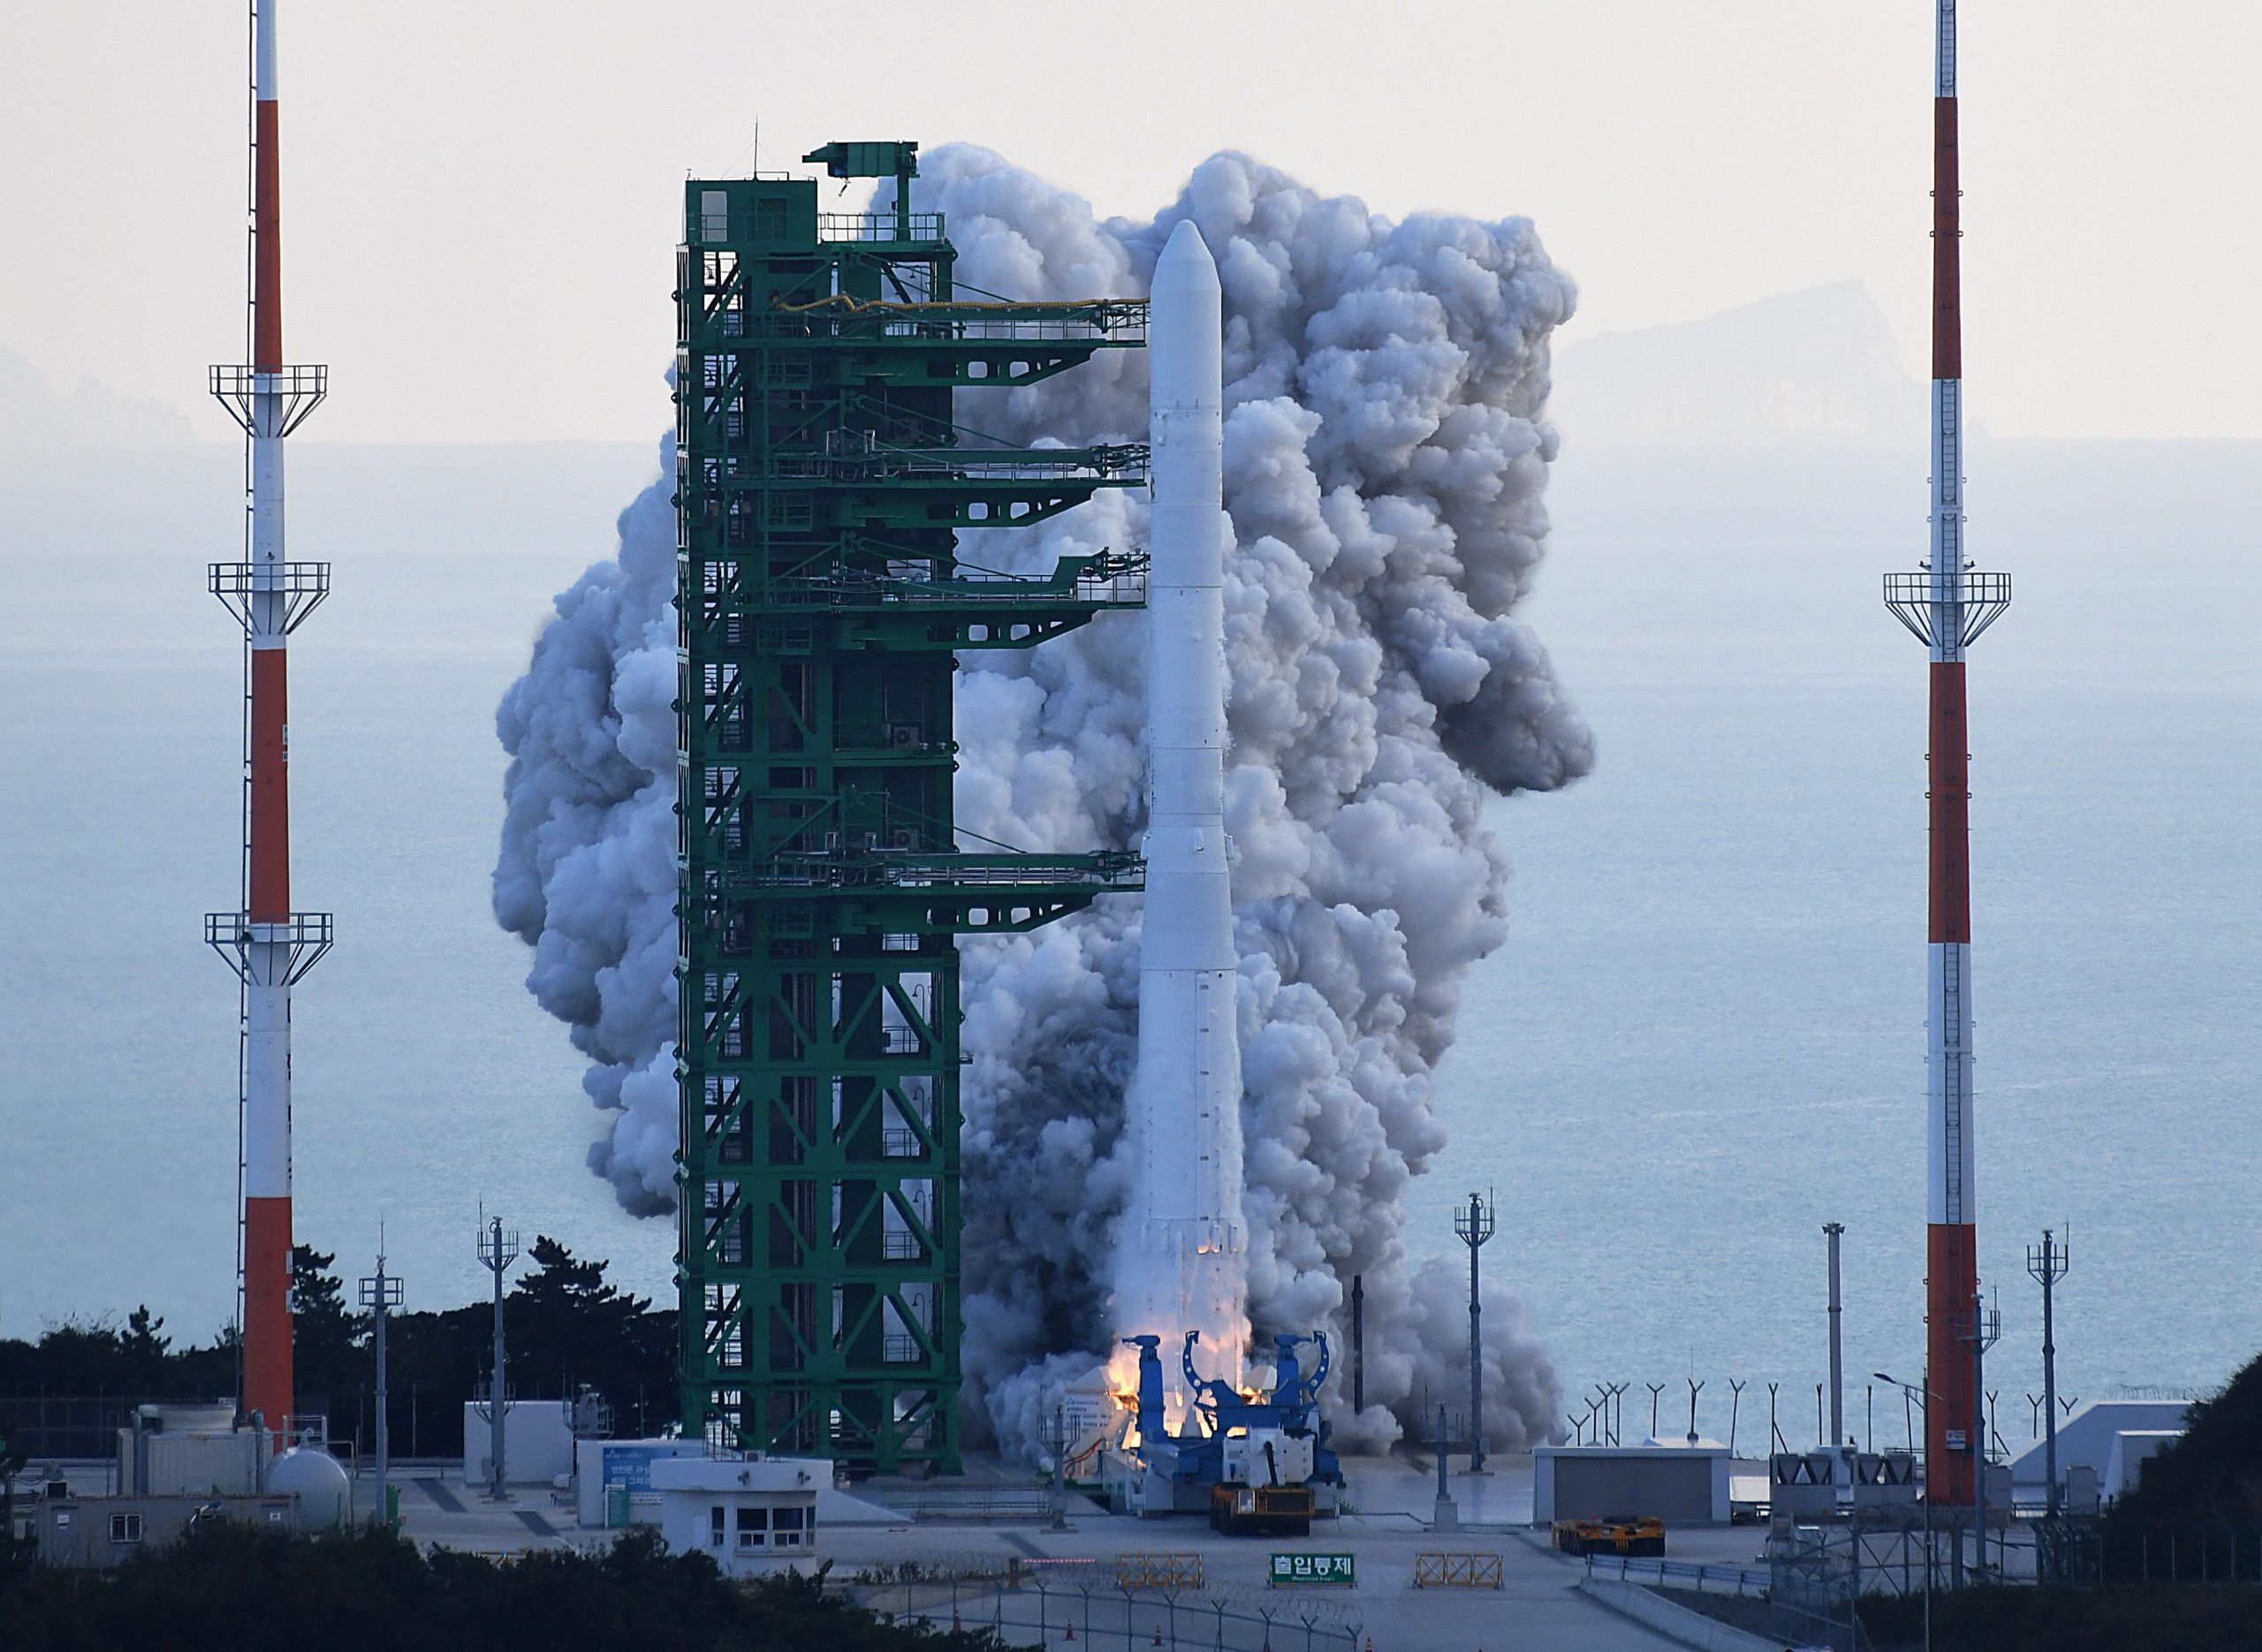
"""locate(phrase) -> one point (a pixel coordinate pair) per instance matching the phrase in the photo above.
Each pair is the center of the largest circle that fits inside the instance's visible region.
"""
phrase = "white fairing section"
(1948, 1064)
(266, 1072)
(1182, 1267)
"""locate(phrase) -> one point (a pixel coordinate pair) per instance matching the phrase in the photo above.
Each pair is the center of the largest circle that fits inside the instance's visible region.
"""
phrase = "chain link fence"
(1079, 1604)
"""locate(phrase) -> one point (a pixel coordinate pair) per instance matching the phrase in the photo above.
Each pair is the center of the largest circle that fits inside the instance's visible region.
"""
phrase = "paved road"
(1536, 1610)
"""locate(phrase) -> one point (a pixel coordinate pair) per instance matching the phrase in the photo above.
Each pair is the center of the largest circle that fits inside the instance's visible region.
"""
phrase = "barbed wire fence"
(1079, 1604)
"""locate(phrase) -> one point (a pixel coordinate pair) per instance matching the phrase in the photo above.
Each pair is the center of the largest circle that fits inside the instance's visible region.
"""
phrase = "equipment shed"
(1670, 1482)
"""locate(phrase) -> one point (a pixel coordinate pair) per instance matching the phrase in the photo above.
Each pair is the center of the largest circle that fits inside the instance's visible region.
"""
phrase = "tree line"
(566, 1327)
(229, 1585)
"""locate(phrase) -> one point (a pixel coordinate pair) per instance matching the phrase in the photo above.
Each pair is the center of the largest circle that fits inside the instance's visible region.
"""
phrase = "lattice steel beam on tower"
(823, 488)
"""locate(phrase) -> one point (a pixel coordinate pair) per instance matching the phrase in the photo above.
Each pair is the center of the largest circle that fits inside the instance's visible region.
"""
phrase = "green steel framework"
(822, 486)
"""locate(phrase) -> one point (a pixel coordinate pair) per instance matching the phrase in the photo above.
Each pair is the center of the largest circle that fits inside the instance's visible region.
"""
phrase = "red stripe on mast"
(1949, 766)
(1947, 284)
(270, 787)
(269, 1380)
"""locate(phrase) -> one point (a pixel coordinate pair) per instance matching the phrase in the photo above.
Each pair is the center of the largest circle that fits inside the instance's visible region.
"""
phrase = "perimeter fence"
(1080, 1602)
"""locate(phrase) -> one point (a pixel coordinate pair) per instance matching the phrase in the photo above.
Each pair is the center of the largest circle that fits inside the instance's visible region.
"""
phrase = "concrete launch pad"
(1538, 1606)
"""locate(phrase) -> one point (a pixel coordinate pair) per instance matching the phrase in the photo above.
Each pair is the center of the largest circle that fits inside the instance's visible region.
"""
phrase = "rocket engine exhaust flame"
(1385, 453)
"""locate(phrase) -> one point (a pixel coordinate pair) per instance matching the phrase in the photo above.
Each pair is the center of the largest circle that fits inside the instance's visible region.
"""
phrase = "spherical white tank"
(319, 1480)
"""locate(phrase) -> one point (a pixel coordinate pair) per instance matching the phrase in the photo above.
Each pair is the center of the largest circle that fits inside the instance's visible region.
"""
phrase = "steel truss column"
(822, 486)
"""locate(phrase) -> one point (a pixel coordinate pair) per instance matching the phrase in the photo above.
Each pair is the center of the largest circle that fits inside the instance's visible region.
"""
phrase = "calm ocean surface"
(1703, 1040)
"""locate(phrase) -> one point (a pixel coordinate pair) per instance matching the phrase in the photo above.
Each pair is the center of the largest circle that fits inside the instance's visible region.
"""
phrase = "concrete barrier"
(1675, 1622)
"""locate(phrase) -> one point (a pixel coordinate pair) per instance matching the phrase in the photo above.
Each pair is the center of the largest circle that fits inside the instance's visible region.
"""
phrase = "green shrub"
(226, 1585)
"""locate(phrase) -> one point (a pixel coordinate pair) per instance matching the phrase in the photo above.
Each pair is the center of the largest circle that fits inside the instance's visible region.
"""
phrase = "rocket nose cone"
(1186, 262)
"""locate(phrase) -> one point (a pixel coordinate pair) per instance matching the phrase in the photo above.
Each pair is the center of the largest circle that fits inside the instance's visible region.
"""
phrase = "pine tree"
(324, 1336)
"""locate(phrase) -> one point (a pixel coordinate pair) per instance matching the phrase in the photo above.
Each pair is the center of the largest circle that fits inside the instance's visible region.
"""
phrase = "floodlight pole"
(496, 1252)
(1833, 1231)
(381, 1294)
(2048, 1265)
(1474, 1226)
(1924, 1398)
(1986, 1329)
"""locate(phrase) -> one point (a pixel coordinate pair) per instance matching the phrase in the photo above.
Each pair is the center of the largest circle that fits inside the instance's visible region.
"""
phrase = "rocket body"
(1182, 1265)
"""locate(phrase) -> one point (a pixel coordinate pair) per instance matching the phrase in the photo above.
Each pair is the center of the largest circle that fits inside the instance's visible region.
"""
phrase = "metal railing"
(1024, 1607)
(853, 592)
(876, 226)
(1980, 600)
(1104, 870)
(1126, 460)
(1704, 1577)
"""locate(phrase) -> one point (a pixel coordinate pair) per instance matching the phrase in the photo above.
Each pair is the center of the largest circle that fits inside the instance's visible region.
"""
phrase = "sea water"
(1703, 1039)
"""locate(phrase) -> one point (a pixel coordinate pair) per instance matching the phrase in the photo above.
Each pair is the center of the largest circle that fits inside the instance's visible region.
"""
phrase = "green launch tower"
(827, 504)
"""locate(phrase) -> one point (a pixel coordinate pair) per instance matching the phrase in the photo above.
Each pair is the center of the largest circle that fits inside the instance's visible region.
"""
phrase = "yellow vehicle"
(1241, 1510)
(1612, 1535)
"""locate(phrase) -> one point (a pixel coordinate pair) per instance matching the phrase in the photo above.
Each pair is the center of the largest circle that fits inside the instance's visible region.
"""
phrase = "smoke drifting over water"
(1384, 456)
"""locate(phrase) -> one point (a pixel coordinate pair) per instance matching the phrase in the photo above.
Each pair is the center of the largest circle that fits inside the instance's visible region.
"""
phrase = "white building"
(2110, 1438)
(537, 1441)
(1675, 1483)
(752, 1514)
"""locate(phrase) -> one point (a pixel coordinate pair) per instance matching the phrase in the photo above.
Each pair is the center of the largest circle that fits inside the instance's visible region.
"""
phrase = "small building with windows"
(752, 1514)
(102, 1532)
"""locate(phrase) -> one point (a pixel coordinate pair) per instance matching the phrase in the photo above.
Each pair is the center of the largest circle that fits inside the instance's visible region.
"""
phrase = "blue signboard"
(630, 1464)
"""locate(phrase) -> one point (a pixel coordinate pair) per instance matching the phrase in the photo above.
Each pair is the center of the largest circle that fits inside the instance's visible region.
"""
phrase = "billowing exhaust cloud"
(1386, 454)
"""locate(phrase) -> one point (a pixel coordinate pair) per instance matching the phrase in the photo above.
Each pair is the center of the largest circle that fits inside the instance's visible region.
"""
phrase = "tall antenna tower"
(381, 1294)
(1473, 1226)
(269, 946)
(1948, 605)
(2045, 1265)
(497, 1250)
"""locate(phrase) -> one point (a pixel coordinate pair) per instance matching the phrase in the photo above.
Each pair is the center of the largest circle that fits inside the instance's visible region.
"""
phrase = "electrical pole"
(1358, 1343)
(1832, 1231)
(1060, 1468)
(2047, 1266)
(1923, 1395)
(1987, 1327)
(380, 1294)
(496, 1252)
(1474, 1226)
(1444, 1517)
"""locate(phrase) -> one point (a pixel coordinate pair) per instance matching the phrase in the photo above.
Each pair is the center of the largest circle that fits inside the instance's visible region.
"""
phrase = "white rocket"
(1182, 1264)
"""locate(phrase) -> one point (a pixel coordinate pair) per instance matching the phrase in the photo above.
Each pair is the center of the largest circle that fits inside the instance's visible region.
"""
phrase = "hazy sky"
(481, 196)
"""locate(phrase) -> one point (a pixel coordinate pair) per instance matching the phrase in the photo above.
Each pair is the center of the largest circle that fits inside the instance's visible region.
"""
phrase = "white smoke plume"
(1385, 453)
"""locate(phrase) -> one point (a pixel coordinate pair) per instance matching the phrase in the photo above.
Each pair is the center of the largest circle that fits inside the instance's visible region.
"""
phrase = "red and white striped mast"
(270, 945)
(1948, 605)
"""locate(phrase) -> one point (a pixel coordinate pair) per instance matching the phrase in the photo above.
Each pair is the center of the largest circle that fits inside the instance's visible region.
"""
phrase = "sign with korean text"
(1307, 1570)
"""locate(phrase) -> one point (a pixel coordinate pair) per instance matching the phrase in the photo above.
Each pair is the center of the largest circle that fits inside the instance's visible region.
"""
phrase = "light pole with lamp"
(1923, 1396)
